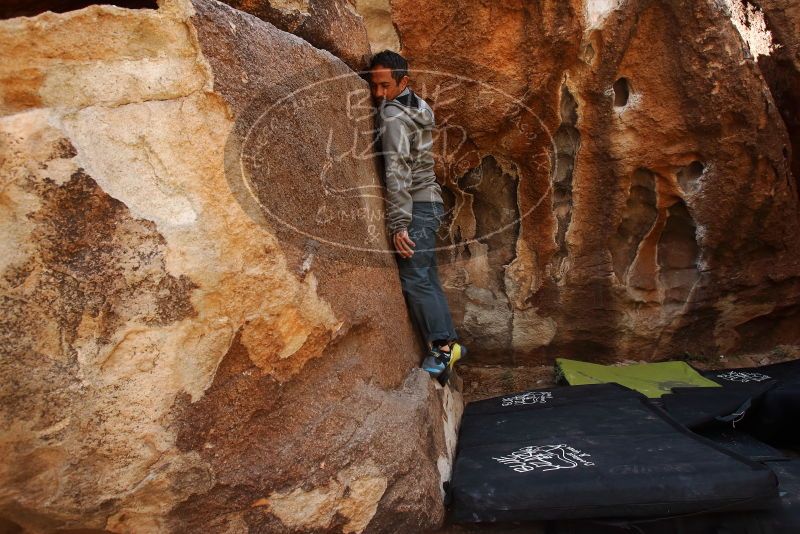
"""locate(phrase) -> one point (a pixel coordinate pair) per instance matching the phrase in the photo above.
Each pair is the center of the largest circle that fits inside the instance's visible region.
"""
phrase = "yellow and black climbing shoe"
(457, 352)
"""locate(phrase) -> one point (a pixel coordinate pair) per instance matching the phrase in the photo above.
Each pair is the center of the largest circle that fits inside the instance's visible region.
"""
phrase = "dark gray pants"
(419, 278)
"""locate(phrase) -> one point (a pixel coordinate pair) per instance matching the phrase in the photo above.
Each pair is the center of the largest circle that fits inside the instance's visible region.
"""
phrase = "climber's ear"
(403, 82)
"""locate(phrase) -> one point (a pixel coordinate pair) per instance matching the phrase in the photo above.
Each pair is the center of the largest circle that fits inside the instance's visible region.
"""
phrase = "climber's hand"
(403, 244)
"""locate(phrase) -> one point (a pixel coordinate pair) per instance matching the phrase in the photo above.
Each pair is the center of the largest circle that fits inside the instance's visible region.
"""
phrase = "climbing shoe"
(434, 363)
(457, 351)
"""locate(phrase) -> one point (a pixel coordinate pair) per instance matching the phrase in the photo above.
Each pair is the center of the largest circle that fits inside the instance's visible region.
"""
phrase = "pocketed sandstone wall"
(619, 178)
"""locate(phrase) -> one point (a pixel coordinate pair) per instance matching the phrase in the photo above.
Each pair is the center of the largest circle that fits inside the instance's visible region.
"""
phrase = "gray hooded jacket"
(406, 129)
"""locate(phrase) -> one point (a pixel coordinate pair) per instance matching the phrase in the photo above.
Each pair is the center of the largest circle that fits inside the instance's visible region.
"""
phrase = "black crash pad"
(781, 518)
(741, 443)
(598, 450)
(784, 371)
(696, 407)
(718, 414)
(775, 414)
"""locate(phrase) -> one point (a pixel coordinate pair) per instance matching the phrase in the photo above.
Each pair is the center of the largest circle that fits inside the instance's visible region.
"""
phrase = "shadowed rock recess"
(175, 360)
(202, 330)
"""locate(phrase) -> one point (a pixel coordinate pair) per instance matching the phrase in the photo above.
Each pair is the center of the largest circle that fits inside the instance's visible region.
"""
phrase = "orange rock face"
(619, 179)
(781, 68)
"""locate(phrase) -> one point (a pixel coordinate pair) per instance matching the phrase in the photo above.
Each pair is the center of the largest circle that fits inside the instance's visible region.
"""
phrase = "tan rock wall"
(332, 25)
(173, 359)
(377, 15)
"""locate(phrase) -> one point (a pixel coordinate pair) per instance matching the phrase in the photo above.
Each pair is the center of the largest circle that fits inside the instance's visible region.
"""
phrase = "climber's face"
(383, 86)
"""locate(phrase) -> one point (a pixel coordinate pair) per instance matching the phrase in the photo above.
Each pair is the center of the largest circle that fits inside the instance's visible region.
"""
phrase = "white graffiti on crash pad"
(545, 458)
(531, 397)
(742, 376)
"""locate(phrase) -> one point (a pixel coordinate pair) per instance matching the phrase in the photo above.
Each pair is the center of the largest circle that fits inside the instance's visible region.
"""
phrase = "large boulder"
(618, 179)
(186, 344)
(333, 25)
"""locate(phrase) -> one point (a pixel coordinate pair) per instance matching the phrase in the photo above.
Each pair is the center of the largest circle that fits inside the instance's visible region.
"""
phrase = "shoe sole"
(432, 370)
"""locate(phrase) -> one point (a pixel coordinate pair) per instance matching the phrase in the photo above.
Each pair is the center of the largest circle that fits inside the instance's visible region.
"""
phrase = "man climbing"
(414, 208)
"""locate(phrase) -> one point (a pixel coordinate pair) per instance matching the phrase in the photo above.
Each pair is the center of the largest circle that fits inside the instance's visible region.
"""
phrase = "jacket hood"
(413, 106)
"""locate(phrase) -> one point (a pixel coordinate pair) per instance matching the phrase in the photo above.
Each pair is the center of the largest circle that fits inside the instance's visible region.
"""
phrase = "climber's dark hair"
(391, 60)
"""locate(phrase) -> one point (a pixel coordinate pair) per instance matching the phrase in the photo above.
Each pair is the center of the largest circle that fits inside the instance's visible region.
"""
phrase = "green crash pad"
(651, 379)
